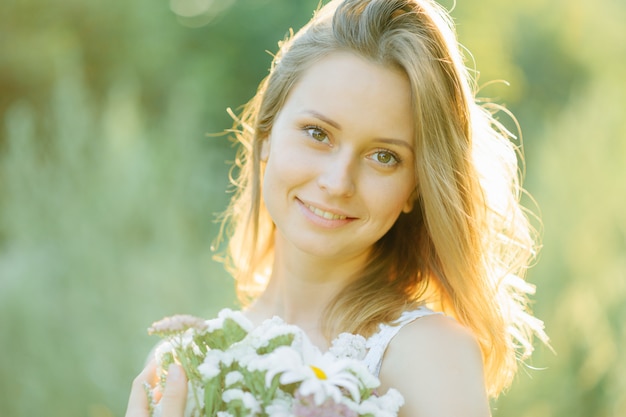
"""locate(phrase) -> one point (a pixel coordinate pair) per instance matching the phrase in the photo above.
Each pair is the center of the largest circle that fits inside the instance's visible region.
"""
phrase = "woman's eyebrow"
(399, 142)
(323, 118)
(337, 126)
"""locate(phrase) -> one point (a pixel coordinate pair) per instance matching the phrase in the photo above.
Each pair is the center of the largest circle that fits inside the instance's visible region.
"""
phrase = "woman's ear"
(410, 203)
(265, 148)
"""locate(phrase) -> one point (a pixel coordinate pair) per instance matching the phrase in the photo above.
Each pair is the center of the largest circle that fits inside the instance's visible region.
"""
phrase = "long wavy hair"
(466, 245)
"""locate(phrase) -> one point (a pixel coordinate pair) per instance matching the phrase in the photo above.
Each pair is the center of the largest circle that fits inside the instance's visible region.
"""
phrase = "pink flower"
(177, 324)
(306, 407)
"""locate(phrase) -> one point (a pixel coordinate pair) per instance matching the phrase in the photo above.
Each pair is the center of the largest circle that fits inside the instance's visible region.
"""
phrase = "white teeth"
(326, 214)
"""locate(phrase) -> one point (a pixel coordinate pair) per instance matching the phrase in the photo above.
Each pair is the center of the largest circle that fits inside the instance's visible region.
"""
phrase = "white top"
(378, 342)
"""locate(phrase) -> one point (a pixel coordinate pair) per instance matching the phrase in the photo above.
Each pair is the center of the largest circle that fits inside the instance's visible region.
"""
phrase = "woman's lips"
(324, 216)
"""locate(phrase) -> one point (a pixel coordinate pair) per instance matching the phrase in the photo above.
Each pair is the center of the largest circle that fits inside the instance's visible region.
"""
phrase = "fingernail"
(173, 372)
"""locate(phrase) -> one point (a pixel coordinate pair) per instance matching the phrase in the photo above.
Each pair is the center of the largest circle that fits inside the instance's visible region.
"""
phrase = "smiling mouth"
(325, 214)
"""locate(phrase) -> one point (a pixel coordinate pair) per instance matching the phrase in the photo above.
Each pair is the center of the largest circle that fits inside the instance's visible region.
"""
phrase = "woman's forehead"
(345, 87)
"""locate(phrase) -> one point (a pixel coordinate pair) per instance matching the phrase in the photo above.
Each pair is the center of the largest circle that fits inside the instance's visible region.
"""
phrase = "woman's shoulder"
(433, 329)
(435, 336)
(436, 364)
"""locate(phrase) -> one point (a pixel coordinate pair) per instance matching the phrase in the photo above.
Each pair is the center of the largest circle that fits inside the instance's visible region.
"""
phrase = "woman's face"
(340, 158)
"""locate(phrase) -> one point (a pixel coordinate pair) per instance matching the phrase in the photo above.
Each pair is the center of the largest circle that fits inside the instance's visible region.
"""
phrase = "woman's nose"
(337, 176)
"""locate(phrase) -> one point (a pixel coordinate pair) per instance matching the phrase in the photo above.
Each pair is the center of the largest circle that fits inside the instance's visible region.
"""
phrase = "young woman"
(374, 194)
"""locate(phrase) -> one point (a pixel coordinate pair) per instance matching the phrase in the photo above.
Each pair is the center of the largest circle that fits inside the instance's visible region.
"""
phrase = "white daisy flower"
(282, 360)
(384, 406)
(322, 376)
(360, 370)
(233, 378)
(195, 400)
(280, 407)
(238, 317)
(161, 349)
(242, 352)
(271, 329)
(348, 345)
(248, 400)
(211, 366)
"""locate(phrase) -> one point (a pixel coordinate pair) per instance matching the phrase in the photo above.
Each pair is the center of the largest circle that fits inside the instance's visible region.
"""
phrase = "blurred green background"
(109, 184)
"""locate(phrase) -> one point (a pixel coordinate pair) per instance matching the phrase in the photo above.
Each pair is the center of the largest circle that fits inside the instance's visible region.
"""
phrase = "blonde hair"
(466, 245)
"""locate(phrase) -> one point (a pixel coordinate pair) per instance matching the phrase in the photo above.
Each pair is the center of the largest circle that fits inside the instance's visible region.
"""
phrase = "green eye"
(317, 134)
(385, 158)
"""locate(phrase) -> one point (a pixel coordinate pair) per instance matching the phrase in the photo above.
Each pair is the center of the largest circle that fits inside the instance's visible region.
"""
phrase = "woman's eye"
(317, 134)
(385, 158)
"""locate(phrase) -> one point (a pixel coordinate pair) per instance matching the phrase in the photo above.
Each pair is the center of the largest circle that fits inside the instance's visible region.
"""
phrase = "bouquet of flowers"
(236, 370)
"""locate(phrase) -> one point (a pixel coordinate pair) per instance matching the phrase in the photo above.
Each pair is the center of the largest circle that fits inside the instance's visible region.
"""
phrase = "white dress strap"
(377, 343)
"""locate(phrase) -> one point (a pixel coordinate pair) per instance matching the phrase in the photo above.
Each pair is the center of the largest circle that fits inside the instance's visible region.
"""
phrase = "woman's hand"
(172, 400)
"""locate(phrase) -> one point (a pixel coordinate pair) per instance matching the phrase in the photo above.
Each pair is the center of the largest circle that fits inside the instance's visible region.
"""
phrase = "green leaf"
(223, 338)
(282, 340)
(212, 396)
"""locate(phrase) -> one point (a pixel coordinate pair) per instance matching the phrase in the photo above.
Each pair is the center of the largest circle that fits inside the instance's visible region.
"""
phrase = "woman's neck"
(301, 287)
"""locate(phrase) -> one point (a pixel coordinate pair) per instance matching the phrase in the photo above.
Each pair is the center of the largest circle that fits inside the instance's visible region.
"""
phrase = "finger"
(138, 400)
(174, 396)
